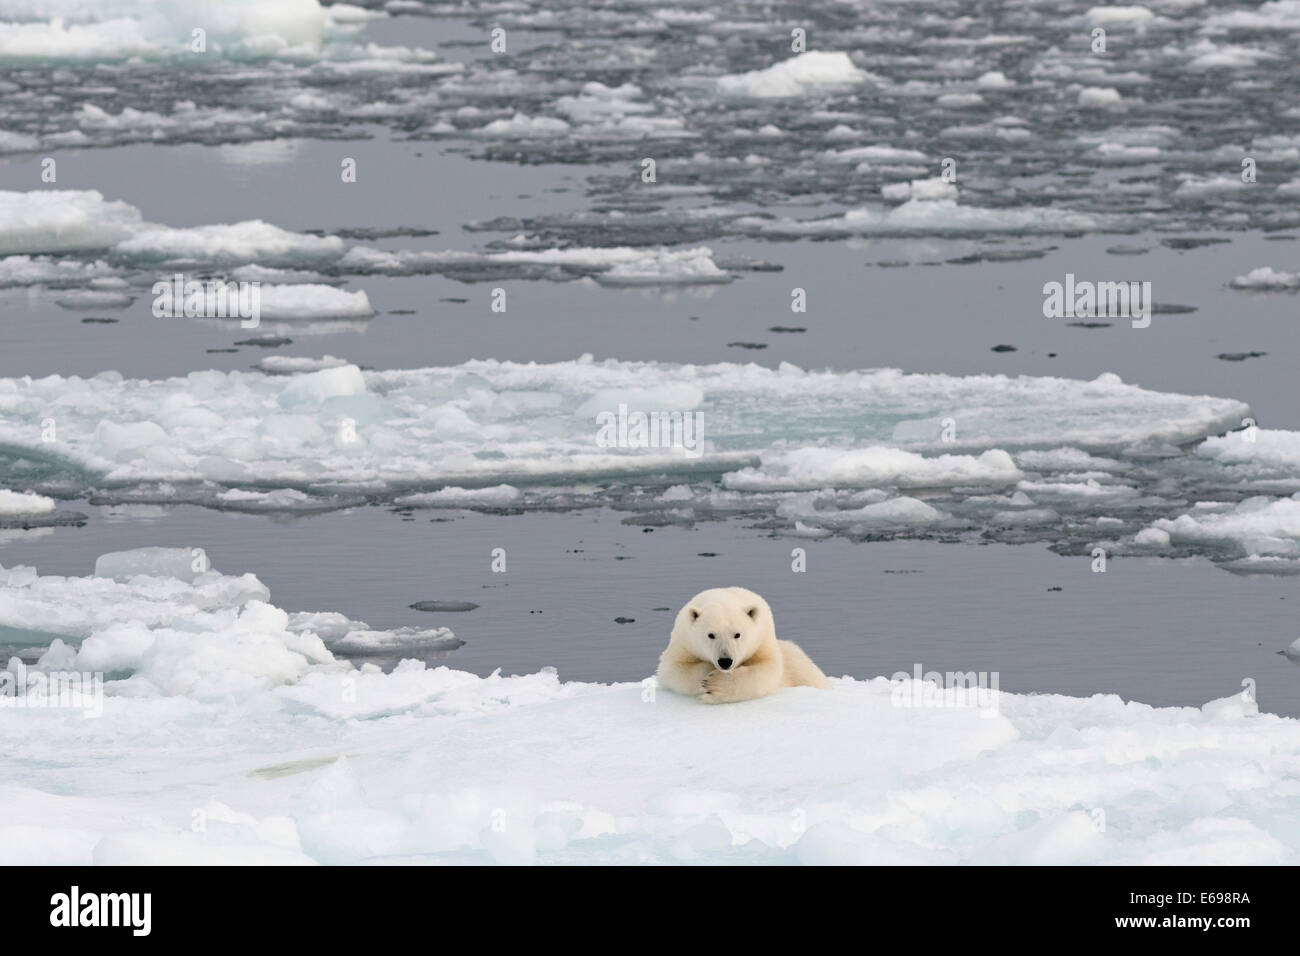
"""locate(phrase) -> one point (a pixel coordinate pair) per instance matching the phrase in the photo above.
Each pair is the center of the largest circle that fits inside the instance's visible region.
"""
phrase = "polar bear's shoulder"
(798, 669)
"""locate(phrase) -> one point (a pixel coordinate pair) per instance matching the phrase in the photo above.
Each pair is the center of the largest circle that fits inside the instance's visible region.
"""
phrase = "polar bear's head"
(724, 625)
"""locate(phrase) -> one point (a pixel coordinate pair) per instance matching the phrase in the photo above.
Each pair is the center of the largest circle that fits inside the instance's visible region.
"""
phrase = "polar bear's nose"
(724, 662)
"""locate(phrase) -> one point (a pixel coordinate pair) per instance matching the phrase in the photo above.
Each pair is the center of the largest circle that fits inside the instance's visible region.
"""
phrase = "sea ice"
(218, 706)
(19, 503)
(794, 77)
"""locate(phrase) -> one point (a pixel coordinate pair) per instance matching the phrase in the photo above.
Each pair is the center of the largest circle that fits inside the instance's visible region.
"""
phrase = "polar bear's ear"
(752, 612)
(695, 614)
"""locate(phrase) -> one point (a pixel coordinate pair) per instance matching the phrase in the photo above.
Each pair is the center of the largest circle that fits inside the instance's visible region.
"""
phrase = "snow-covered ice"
(797, 76)
(218, 706)
(811, 468)
(922, 216)
(697, 76)
(435, 426)
(1266, 277)
(861, 454)
(20, 503)
(63, 221)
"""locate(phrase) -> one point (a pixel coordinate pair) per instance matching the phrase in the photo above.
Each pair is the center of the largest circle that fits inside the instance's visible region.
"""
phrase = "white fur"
(744, 632)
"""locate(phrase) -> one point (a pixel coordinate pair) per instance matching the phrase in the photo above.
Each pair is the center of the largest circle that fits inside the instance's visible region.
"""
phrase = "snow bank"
(220, 708)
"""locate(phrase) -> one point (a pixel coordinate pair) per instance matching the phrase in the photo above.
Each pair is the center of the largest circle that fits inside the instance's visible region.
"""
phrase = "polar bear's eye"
(736, 636)
(713, 637)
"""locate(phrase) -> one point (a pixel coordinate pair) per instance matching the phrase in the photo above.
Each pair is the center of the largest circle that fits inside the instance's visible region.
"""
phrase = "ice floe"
(691, 76)
(866, 453)
(1267, 278)
(800, 75)
(204, 701)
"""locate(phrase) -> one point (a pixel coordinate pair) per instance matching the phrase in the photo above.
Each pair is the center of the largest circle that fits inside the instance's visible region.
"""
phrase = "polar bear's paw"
(719, 687)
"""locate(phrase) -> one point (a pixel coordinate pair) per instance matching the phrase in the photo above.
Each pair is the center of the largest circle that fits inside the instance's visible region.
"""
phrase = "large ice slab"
(863, 454)
(798, 76)
(115, 619)
(489, 422)
(236, 709)
(40, 223)
(63, 221)
(119, 29)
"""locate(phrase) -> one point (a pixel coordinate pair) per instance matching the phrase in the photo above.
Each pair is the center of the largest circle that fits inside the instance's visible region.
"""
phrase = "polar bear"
(724, 648)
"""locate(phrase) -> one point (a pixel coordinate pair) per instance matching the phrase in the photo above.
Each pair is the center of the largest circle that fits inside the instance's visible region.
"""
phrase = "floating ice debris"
(609, 266)
(1257, 526)
(1265, 277)
(498, 496)
(20, 503)
(293, 365)
(1199, 187)
(162, 621)
(403, 640)
(63, 221)
(302, 302)
(444, 606)
(229, 245)
(1119, 14)
(811, 468)
(17, 142)
(506, 436)
(900, 513)
(275, 68)
(49, 271)
(919, 189)
(429, 424)
(91, 299)
(805, 73)
(520, 125)
(922, 217)
(1097, 98)
(23, 511)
